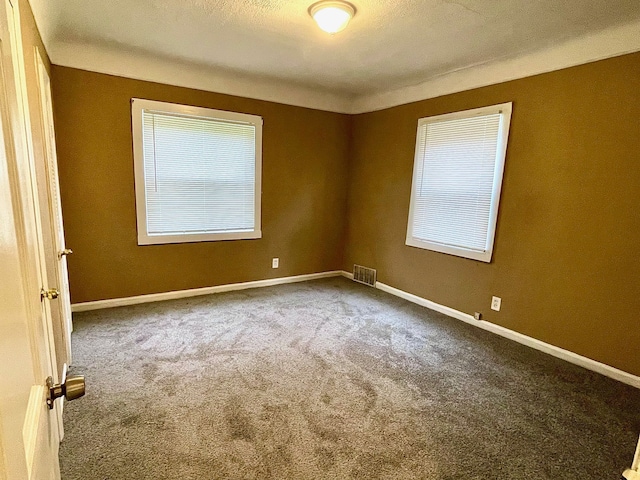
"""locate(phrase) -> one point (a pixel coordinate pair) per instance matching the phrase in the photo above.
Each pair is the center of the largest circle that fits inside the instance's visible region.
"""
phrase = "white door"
(29, 430)
(55, 205)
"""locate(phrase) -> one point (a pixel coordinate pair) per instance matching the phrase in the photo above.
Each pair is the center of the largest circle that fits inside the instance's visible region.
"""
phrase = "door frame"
(26, 139)
(29, 435)
(54, 210)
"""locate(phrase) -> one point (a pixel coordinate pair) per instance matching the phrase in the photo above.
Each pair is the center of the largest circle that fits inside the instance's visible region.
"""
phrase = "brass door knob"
(65, 252)
(50, 294)
(73, 387)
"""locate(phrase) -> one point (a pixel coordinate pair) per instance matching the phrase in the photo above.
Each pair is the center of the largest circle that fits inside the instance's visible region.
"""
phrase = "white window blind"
(457, 178)
(197, 173)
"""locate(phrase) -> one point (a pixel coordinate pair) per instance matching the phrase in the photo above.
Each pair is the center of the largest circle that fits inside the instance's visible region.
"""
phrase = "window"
(197, 173)
(457, 176)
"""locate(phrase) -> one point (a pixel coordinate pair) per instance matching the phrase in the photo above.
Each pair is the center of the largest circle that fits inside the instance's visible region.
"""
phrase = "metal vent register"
(364, 275)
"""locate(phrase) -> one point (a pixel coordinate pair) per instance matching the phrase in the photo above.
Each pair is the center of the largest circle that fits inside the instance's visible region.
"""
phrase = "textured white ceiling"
(390, 44)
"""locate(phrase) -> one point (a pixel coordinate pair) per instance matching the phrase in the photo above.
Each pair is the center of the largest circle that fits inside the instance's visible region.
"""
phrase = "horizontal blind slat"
(454, 181)
(199, 174)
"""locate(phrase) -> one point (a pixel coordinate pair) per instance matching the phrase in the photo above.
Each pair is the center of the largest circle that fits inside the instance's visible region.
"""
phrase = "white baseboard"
(558, 352)
(631, 475)
(195, 292)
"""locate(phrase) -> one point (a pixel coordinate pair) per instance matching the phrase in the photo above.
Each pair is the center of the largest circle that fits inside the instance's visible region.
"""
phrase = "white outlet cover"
(275, 263)
(496, 303)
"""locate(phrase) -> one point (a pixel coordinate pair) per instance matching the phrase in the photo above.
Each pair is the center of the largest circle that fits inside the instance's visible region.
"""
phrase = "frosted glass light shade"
(332, 16)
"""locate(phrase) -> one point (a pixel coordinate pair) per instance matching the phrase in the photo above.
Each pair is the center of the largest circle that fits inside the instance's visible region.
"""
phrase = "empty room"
(320, 240)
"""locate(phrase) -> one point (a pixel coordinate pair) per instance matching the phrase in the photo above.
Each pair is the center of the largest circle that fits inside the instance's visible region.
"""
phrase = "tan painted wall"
(303, 202)
(566, 260)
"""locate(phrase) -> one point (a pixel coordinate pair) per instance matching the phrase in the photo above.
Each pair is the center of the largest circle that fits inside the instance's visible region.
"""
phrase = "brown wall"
(566, 260)
(303, 203)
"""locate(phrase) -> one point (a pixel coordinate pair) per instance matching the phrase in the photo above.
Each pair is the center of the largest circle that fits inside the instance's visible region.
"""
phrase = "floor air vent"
(364, 275)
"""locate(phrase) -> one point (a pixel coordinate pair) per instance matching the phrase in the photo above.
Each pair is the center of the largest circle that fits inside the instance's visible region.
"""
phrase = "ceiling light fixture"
(332, 16)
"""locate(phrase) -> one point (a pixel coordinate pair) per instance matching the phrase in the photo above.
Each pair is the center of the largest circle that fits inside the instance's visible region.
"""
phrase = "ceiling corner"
(143, 66)
(46, 16)
(589, 48)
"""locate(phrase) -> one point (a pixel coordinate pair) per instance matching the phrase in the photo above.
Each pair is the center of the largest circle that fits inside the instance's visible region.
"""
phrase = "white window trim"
(137, 106)
(505, 109)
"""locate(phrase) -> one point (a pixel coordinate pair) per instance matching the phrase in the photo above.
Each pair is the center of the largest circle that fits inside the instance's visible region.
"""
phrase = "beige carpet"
(331, 380)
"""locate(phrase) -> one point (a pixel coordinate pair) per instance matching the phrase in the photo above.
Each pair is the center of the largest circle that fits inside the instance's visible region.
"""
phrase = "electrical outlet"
(275, 263)
(496, 303)
(477, 316)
